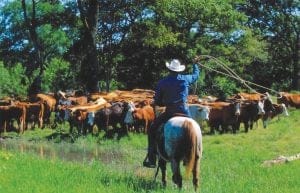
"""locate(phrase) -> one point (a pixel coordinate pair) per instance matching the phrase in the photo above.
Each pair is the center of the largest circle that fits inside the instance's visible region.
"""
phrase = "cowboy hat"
(175, 66)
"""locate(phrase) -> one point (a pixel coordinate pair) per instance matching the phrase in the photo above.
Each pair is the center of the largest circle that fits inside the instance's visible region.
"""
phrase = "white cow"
(199, 112)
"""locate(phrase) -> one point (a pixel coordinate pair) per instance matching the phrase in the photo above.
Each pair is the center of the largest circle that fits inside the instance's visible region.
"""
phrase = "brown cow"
(143, 116)
(251, 111)
(10, 113)
(257, 98)
(251, 96)
(50, 105)
(289, 99)
(82, 116)
(48, 99)
(110, 97)
(82, 100)
(277, 110)
(78, 119)
(223, 114)
(34, 113)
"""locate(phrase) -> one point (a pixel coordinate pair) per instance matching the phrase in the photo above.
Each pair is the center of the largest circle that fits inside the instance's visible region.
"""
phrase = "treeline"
(102, 45)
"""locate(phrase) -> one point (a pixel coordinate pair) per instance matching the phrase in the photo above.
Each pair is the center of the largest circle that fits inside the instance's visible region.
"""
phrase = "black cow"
(112, 116)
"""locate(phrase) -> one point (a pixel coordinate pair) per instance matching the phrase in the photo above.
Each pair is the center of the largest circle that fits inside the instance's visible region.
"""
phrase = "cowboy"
(171, 92)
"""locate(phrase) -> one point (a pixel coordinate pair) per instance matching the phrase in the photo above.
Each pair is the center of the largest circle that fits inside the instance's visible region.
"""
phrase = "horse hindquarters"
(195, 150)
(182, 141)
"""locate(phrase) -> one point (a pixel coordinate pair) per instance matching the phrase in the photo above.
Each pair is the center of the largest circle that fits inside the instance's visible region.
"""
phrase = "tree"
(278, 22)
(116, 19)
(89, 13)
(183, 29)
(32, 33)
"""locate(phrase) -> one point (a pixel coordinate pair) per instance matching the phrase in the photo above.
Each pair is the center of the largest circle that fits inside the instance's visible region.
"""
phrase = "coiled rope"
(232, 74)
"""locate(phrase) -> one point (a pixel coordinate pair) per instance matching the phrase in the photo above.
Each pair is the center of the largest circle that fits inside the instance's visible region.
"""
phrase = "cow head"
(204, 112)
(237, 108)
(285, 111)
(91, 118)
(199, 112)
(130, 109)
(268, 106)
(260, 107)
(269, 111)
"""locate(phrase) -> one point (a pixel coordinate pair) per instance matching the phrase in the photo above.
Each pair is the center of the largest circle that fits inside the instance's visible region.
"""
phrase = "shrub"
(13, 81)
(57, 76)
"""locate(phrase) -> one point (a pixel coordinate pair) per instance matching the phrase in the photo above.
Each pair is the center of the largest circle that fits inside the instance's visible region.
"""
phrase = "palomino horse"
(181, 140)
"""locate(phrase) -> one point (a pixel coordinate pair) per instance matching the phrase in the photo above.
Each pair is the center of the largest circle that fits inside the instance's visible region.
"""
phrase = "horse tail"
(191, 146)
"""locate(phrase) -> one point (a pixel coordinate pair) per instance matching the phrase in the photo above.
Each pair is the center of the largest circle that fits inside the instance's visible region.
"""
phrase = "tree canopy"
(100, 45)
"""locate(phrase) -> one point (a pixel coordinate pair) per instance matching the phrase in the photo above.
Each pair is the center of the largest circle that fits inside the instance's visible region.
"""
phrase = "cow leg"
(265, 123)
(82, 129)
(251, 124)
(71, 126)
(21, 125)
(246, 125)
(4, 127)
(224, 128)
(146, 127)
(41, 122)
(235, 127)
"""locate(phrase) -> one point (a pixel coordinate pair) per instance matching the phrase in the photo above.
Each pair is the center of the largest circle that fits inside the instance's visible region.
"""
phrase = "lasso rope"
(232, 74)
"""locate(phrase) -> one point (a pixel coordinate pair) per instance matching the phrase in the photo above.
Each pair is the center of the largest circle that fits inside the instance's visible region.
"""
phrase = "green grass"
(230, 163)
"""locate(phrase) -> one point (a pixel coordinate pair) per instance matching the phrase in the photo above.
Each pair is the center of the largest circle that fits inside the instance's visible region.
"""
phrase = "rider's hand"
(196, 59)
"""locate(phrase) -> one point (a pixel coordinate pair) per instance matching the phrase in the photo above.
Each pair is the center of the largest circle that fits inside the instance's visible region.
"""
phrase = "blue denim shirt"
(173, 90)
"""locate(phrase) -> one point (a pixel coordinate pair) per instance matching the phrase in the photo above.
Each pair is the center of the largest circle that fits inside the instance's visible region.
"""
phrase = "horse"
(180, 139)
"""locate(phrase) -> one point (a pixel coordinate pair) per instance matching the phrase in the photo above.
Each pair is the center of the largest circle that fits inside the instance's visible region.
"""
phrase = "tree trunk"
(89, 11)
(36, 85)
(296, 77)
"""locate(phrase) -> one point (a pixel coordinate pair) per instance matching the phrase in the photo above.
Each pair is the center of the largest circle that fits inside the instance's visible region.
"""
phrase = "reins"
(230, 73)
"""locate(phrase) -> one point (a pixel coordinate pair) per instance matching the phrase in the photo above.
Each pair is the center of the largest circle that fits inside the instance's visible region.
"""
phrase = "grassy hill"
(230, 163)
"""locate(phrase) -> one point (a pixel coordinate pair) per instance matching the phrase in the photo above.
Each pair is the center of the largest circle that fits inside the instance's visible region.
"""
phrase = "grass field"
(230, 163)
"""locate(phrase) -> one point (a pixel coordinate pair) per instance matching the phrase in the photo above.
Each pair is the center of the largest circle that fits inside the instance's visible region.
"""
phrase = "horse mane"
(191, 146)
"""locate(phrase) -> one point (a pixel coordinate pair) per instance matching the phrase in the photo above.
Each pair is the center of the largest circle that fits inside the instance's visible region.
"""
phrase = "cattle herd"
(123, 111)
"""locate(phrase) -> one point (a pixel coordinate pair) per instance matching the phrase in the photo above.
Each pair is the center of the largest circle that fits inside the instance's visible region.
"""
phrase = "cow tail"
(190, 147)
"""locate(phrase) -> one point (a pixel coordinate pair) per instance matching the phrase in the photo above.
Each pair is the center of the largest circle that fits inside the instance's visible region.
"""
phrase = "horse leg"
(162, 165)
(177, 178)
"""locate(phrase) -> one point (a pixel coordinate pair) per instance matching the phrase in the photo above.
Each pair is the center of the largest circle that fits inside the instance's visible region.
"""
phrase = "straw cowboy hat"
(175, 66)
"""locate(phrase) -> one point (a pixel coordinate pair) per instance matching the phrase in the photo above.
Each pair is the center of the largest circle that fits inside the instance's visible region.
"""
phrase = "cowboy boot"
(150, 161)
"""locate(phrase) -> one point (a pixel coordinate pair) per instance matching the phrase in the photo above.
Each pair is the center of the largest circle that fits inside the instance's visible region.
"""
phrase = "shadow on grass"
(132, 183)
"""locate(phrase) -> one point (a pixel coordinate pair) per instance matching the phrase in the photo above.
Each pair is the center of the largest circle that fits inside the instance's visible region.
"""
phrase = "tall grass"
(230, 163)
